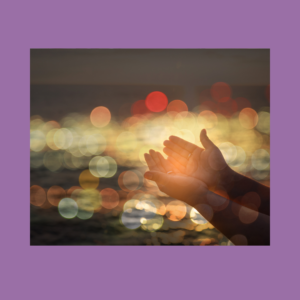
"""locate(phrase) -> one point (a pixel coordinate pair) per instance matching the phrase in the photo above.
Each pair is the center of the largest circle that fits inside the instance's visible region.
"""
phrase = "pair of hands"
(190, 171)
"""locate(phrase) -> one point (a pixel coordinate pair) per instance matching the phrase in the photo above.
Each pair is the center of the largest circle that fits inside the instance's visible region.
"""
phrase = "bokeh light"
(71, 192)
(96, 144)
(229, 151)
(89, 200)
(100, 116)
(260, 159)
(263, 124)
(130, 180)
(196, 217)
(207, 119)
(248, 118)
(67, 208)
(220, 91)
(37, 140)
(50, 137)
(176, 106)
(131, 220)
(110, 198)
(37, 195)
(176, 210)
(88, 180)
(74, 192)
(84, 214)
(105, 162)
(156, 101)
(55, 194)
(152, 224)
(131, 203)
(239, 158)
(62, 138)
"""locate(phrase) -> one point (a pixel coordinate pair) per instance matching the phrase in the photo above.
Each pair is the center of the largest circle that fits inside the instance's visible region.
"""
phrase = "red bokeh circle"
(220, 91)
(156, 101)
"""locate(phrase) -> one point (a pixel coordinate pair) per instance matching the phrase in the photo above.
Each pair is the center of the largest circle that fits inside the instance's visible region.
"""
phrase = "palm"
(176, 184)
(203, 164)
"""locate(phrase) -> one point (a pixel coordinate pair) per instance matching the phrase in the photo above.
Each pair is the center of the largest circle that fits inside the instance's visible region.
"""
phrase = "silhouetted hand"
(172, 182)
(207, 165)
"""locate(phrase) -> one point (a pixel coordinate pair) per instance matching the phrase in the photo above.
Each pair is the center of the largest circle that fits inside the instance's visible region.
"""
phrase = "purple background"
(88, 272)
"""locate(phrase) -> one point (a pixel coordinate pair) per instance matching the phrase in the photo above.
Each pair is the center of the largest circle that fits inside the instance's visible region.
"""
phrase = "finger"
(166, 164)
(183, 161)
(189, 147)
(176, 165)
(150, 162)
(156, 160)
(206, 142)
(184, 153)
(192, 164)
(160, 178)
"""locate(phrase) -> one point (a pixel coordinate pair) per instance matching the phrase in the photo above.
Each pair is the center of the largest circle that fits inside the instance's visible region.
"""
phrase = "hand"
(172, 182)
(207, 165)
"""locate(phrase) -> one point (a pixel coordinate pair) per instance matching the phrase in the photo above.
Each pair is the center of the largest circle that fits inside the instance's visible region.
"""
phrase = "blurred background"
(95, 112)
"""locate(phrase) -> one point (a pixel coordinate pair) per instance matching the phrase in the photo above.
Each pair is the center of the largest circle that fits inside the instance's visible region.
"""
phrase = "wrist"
(227, 178)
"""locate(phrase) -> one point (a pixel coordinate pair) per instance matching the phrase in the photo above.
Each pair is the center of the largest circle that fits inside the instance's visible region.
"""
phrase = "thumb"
(206, 142)
(158, 177)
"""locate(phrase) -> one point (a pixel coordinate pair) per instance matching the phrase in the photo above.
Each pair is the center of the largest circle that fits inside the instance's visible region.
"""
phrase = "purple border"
(147, 272)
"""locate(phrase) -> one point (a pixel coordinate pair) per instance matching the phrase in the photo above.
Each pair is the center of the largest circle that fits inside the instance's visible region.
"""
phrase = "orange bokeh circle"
(175, 210)
(110, 198)
(55, 194)
(37, 195)
(248, 118)
(177, 106)
(100, 116)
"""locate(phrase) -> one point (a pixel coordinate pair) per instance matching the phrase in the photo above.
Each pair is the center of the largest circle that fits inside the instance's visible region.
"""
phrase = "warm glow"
(248, 118)
(176, 106)
(207, 119)
(87, 180)
(100, 116)
(37, 195)
(175, 210)
(110, 198)
(130, 180)
(55, 194)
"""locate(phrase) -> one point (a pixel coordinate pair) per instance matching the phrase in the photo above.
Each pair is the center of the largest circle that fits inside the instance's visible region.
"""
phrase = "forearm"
(236, 222)
(245, 191)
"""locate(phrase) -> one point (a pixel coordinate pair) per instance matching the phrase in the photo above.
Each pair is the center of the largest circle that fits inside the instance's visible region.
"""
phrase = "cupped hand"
(172, 182)
(207, 165)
